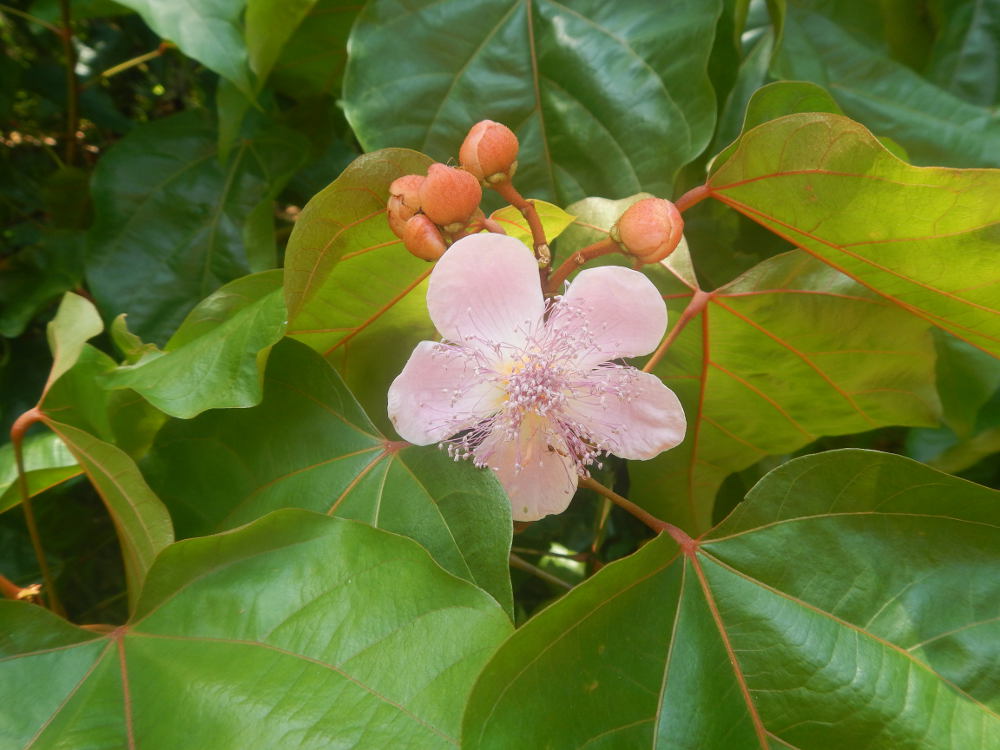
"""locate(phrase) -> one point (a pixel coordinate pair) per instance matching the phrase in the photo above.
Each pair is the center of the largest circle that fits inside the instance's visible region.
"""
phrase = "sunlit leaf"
(920, 237)
(296, 632)
(606, 98)
(309, 445)
(853, 600)
(76, 322)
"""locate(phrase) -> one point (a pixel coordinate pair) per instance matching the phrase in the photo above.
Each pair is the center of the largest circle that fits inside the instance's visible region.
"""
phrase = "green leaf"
(966, 53)
(47, 462)
(170, 218)
(297, 632)
(353, 291)
(269, 24)
(33, 277)
(606, 98)
(788, 352)
(75, 322)
(216, 358)
(919, 237)
(209, 32)
(131, 346)
(313, 60)
(80, 399)
(554, 221)
(141, 520)
(309, 445)
(853, 600)
(842, 51)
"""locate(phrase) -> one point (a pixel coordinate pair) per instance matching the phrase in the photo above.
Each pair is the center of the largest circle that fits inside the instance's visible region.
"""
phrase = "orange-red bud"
(649, 229)
(449, 195)
(422, 238)
(489, 151)
(404, 201)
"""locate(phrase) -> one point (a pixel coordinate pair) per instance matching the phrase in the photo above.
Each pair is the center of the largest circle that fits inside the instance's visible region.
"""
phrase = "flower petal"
(438, 394)
(622, 312)
(536, 469)
(485, 291)
(629, 413)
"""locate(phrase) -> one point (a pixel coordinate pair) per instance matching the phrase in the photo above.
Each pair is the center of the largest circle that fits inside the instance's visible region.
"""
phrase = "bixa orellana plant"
(357, 451)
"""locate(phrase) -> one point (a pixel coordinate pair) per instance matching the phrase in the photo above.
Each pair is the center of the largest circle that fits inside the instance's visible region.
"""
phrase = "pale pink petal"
(535, 469)
(485, 290)
(438, 394)
(629, 413)
(615, 311)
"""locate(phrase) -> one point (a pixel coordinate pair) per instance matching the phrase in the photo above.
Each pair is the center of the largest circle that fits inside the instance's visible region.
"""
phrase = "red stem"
(686, 543)
(694, 307)
(72, 86)
(17, 432)
(509, 193)
(693, 196)
(577, 259)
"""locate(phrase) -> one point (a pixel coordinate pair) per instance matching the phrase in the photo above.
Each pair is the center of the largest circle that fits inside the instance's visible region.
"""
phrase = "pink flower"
(530, 391)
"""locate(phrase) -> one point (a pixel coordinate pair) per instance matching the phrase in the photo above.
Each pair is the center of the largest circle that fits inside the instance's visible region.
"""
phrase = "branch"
(686, 543)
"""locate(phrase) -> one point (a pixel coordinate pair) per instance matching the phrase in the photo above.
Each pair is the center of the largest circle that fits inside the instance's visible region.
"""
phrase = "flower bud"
(422, 238)
(489, 151)
(449, 195)
(404, 201)
(649, 229)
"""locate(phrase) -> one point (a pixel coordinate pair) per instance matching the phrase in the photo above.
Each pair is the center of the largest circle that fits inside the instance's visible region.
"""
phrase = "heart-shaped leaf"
(171, 220)
(606, 98)
(919, 237)
(216, 358)
(297, 632)
(309, 445)
(834, 45)
(853, 600)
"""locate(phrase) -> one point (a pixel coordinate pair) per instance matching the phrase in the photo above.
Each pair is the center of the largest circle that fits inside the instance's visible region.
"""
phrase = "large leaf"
(606, 98)
(353, 291)
(965, 59)
(853, 601)
(920, 237)
(216, 358)
(309, 445)
(835, 45)
(207, 31)
(269, 24)
(171, 220)
(141, 520)
(788, 351)
(297, 632)
(313, 60)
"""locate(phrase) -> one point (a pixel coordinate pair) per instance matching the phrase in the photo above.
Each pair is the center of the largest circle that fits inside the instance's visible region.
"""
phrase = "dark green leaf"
(852, 601)
(170, 219)
(606, 98)
(297, 632)
(965, 58)
(309, 445)
(845, 54)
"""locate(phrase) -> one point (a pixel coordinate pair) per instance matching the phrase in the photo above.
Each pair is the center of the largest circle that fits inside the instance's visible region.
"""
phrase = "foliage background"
(180, 150)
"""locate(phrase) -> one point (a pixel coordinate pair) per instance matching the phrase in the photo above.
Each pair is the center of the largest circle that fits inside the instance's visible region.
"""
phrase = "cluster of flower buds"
(425, 212)
(649, 230)
(429, 213)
